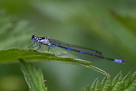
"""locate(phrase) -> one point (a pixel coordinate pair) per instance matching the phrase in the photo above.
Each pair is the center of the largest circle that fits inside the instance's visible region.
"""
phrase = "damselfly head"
(33, 38)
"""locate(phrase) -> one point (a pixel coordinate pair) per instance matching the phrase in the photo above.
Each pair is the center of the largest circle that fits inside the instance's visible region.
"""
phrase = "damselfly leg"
(48, 49)
(41, 46)
(52, 50)
(30, 45)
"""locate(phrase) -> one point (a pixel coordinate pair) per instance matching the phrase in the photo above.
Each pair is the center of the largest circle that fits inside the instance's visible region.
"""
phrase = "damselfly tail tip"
(123, 61)
(119, 61)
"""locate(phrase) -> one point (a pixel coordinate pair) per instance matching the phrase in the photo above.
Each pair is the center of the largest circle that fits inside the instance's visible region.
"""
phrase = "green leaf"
(127, 80)
(33, 77)
(128, 83)
(118, 83)
(12, 55)
(106, 84)
(95, 85)
(87, 88)
(132, 85)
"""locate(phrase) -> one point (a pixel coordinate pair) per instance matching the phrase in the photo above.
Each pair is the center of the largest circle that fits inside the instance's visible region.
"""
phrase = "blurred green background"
(105, 25)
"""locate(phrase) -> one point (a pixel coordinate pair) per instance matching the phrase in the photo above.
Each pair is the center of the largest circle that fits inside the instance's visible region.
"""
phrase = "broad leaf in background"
(128, 83)
(33, 77)
(127, 21)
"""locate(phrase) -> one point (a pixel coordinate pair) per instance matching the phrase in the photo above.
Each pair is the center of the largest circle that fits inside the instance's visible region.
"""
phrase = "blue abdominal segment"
(82, 52)
(119, 61)
(69, 48)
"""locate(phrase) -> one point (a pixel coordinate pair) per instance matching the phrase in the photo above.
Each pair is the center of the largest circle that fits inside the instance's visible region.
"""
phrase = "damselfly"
(41, 41)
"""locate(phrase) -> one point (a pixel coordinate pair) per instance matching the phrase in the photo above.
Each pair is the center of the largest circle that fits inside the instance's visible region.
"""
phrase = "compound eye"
(33, 36)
